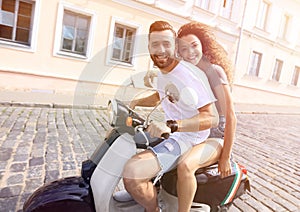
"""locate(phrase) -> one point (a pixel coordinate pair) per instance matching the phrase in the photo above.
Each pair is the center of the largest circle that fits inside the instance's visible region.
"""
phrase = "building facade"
(83, 51)
(267, 62)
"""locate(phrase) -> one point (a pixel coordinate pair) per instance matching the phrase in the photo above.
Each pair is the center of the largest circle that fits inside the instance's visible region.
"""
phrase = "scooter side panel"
(109, 171)
(67, 194)
(130, 206)
(169, 203)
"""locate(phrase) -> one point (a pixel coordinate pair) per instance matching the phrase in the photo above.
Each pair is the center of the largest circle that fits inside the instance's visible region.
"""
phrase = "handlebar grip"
(165, 135)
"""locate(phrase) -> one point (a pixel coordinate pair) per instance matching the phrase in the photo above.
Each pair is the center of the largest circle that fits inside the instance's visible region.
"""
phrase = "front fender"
(67, 194)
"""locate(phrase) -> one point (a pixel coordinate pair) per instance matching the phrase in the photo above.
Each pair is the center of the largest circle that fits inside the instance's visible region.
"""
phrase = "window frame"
(203, 4)
(118, 21)
(57, 51)
(76, 17)
(284, 25)
(261, 22)
(32, 44)
(295, 81)
(277, 70)
(226, 10)
(124, 44)
(255, 63)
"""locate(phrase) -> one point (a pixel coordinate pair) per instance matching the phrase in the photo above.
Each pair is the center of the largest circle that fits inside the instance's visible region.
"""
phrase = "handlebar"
(127, 120)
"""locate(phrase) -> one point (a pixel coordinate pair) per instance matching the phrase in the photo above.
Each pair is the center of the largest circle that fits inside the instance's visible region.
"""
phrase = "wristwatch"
(173, 125)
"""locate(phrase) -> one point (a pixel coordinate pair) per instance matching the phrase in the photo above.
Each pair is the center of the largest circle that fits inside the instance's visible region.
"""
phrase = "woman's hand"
(149, 78)
(224, 167)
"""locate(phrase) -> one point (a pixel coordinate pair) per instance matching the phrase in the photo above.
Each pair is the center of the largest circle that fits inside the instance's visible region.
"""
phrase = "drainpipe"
(240, 34)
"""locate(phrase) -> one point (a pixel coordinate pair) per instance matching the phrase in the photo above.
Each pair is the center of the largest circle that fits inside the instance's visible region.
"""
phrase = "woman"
(194, 39)
(197, 44)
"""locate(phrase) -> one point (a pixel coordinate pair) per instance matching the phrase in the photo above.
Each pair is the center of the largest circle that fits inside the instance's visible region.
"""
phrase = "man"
(188, 105)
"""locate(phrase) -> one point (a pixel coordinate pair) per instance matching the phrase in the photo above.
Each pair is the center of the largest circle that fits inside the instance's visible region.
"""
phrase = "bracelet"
(173, 125)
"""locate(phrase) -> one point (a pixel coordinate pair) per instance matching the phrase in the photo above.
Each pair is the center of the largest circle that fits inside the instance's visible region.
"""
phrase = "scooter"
(100, 175)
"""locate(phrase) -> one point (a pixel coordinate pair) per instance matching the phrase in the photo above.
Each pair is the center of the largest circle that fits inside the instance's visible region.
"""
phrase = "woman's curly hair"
(211, 49)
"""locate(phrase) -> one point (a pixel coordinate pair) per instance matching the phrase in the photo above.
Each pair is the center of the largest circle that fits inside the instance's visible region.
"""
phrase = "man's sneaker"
(122, 196)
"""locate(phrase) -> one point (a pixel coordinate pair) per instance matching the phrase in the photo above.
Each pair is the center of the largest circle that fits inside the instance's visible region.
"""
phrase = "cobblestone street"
(39, 145)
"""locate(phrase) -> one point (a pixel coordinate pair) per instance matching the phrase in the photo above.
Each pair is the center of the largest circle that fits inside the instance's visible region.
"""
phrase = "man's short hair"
(158, 26)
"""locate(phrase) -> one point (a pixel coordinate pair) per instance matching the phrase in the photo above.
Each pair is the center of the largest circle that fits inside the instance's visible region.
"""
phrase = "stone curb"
(50, 105)
(272, 109)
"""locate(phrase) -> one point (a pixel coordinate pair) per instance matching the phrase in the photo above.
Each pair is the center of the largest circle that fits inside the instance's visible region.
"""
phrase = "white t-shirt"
(217, 77)
(190, 92)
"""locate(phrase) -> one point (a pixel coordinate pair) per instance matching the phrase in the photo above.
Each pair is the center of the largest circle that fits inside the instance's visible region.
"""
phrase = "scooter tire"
(71, 194)
(64, 206)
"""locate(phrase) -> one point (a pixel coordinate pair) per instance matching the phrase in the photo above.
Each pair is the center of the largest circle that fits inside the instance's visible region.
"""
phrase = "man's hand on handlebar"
(157, 129)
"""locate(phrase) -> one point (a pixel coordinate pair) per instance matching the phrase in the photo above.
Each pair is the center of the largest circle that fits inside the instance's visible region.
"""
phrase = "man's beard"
(163, 64)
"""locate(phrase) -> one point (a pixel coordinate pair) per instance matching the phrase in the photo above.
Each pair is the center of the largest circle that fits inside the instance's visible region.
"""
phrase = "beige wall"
(43, 62)
(42, 70)
(247, 95)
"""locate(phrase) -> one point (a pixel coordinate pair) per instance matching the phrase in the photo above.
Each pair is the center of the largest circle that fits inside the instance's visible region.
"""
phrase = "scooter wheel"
(64, 206)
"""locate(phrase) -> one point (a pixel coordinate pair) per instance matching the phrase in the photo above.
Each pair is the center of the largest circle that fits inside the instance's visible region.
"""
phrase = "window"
(204, 4)
(123, 43)
(262, 15)
(283, 26)
(277, 70)
(227, 9)
(75, 32)
(16, 21)
(296, 76)
(255, 62)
